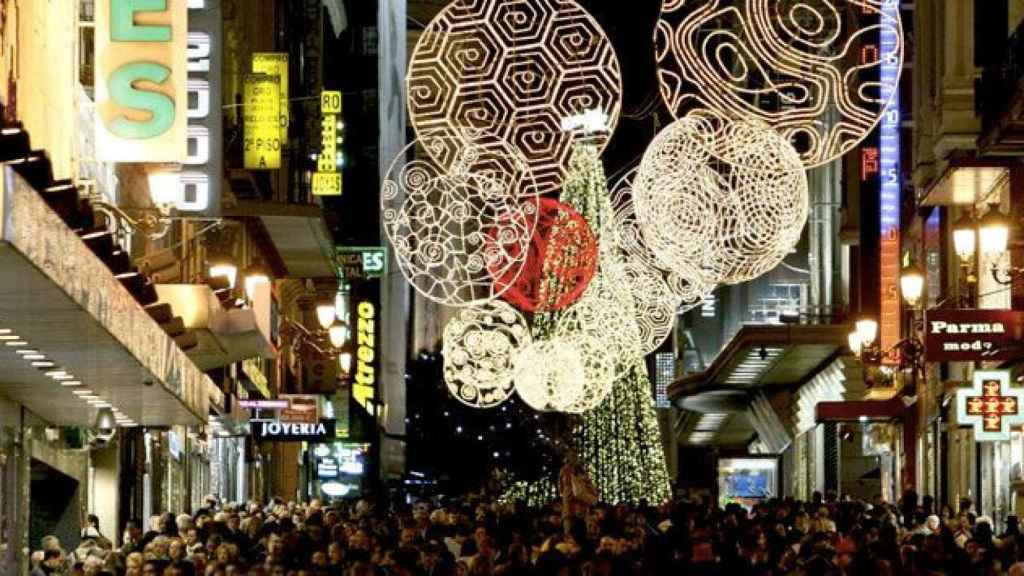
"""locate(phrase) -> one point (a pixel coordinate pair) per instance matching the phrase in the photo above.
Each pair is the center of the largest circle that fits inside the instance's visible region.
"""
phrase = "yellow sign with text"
(327, 179)
(276, 64)
(262, 138)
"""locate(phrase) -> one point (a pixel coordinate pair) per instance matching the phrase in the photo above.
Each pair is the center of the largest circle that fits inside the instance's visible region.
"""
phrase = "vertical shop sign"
(890, 185)
(141, 79)
(276, 64)
(365, 380)
(198, 184)
(327, 178)
(262, 104)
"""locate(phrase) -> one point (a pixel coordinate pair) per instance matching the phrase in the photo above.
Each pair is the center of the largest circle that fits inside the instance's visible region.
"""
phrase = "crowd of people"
(479, 536)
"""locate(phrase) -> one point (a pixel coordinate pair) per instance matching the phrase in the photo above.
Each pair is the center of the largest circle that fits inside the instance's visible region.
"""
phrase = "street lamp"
(325, 312)
(338, 333)
(255, 275)
(965, 238)
(867, 331)
(222, 265)
(994, 232)
(912, 284)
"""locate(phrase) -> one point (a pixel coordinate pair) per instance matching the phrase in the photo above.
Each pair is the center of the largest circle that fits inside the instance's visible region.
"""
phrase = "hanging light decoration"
(457, 216)
(654, 304)
(797, 66)
(550, 375)
(599, 372)
(605, 313)
(481, 344)
(561, 262)
(515, 70)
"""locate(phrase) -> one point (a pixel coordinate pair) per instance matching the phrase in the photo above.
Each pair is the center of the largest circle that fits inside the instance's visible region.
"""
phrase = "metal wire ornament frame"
(804, 67)
(458, 214)
(728, 200)
(550, 375)
(481, 345)
(515, 70)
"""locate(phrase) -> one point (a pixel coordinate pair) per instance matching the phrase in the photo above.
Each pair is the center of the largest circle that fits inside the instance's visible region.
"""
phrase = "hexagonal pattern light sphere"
(515, 69)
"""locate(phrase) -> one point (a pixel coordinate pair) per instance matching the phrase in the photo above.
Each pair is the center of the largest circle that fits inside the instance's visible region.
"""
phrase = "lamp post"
(994, 237)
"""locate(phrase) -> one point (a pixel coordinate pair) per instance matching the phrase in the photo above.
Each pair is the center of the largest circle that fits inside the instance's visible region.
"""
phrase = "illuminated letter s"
(123, 93)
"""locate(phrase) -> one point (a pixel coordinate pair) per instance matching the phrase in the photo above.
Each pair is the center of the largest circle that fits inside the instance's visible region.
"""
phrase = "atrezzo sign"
(972, 335)
(141, 80)
(366, 355)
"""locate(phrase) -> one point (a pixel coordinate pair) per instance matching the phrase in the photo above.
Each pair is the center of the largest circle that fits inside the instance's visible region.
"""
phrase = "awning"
(296, 232)
(60, 301)
(965, 182)
(762, 384)
(224, 336)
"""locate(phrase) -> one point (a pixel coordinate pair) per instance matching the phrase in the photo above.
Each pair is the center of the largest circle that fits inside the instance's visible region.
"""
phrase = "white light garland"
(458, 217)
(481, 345)
(550, 375)
(515, 70)
(801, 66)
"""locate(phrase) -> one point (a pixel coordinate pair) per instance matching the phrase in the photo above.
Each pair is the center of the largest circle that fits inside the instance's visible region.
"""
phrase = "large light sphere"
(810, 69)
(515, 70)
(654, 304)
(481, 345)
(599, 374)
(606, 314)
(550, 375)
(456, 216)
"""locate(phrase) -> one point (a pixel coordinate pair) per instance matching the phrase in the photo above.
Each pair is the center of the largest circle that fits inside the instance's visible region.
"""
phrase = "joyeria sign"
(972, 335)
(141, 80)
(321, 431)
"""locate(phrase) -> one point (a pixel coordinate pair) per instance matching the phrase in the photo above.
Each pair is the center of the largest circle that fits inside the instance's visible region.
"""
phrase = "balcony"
(1000, 101)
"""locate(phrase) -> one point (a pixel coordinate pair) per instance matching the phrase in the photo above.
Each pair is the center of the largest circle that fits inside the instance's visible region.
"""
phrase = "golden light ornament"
(625, 232)
(599, 374)
(801, 66)
(515, 71)
(481, 345)
(720, 202)
(458, 216)
(654, 304)
(605, 313)
(550, 375)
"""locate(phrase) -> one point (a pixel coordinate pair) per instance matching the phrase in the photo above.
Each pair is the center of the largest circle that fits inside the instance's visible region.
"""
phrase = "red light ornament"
(560, 262)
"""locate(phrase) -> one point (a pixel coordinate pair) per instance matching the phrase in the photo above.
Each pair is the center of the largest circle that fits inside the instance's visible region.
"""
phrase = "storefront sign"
(263, 404)
(198, 184)
(253, 370)
(262, 110)
(317, 432)
(141, 80)
(327, 179)
(276, 64)
(991, 405)
(366, 355)
(362, 262)
(302, 409)
(972, 335)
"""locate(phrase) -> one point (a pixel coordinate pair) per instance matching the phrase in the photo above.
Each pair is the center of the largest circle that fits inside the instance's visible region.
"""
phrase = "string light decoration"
(723, 201)
(599, 369)
(799, 66)
(561, 262)
(654, 304)
(768, 202)
(515, 70)
(550, 374)
(605, 313)
(627, 235)
(458, 215)
(481, 344)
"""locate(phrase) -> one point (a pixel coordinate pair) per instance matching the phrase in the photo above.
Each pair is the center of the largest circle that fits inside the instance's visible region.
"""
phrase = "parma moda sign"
(972, 335)
(141, 80)
(317, 432)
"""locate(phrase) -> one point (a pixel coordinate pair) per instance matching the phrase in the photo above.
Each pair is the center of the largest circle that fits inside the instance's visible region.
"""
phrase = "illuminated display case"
(747, 481)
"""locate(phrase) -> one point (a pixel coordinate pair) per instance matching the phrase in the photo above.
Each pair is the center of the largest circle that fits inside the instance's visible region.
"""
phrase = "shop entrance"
(54, 506)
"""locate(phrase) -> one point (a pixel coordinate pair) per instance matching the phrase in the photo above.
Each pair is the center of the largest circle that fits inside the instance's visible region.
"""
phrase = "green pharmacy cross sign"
(362, 262)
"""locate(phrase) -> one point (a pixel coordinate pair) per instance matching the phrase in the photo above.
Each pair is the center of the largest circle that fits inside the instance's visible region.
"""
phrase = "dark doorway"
(53, 506)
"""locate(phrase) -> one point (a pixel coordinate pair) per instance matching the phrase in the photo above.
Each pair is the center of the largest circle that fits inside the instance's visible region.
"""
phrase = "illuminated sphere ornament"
(562, 260)
(810, 69)
(481, 344)
(458, 215)
(550, 375)
(767, 202)
(625, 231)
(605, 313)
(599, 373)
(654, 304)
(720, 202)
(515, 71)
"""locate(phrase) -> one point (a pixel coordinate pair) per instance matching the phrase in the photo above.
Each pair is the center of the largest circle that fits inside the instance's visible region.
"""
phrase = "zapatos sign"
(973, 335)
(322, 431)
